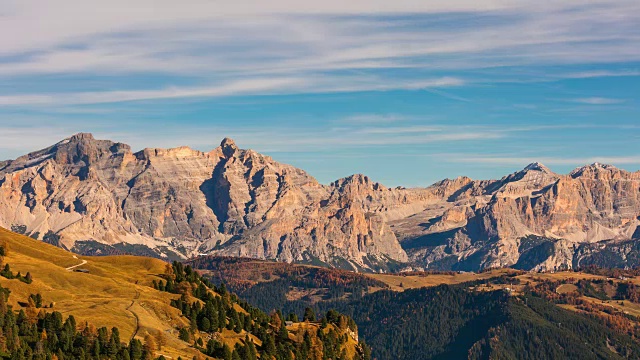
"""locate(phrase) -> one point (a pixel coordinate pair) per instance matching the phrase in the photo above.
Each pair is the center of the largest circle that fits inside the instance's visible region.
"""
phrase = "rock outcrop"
(181, 202)
(591, 204)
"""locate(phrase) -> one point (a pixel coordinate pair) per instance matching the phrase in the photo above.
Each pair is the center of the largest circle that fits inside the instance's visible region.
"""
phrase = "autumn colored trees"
(218, 311)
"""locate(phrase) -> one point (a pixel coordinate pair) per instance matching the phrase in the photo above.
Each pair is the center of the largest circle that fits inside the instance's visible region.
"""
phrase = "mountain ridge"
(182, 202)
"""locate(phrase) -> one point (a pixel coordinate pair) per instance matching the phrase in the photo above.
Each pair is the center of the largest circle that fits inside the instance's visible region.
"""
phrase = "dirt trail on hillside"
(70, 268)
(135, 332)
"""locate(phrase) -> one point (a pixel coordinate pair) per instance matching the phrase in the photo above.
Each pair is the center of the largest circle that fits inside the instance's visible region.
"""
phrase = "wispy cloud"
(206, 50)
(411, 129)
(267, 139)
(233, 88)
(252, 86)
(286, 39)
(360, 119)
(276, 140)
(598, 101)
(600, 73)
(455, 74)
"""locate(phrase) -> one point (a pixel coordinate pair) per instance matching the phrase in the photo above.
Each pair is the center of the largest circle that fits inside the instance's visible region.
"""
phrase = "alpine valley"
(98, 197)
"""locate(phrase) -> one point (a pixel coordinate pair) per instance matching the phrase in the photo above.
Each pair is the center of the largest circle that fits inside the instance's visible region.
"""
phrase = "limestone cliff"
(181, 202)
(488, 221)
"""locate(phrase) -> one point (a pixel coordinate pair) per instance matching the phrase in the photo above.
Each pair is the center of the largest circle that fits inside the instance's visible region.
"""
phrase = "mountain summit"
(536, 166)
(182, 202)
(97, 197)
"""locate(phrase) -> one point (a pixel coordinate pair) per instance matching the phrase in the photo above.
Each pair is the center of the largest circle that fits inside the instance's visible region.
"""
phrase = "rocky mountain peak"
(357, 182)
(241, 203)
(597, 165)
(229, 147)
(458, 182)
(534, 176)
(536, 166)
(594, 168)
(534, 169)
(79, 137)
(358, 178)
(81, 148)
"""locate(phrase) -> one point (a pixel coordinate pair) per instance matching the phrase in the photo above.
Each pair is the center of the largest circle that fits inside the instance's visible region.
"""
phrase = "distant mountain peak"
(361, 178)
(533, 176)
(228, 147)
(358, 181)
(77, 137)
(601, 165)
(534, 169)
(237, 202)
(593, 167)
(536, 166)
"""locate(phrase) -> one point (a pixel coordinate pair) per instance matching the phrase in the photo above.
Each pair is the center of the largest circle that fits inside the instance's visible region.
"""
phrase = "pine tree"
(184, 335)
(309, 315)
(235, 355)
(251, 352)
(205, 324)
(269, 345)
(283, 334)
(96, 349)
(226, 352)
(135, 349)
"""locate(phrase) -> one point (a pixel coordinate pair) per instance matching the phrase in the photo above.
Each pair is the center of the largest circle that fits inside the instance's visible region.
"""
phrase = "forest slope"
(123, 292)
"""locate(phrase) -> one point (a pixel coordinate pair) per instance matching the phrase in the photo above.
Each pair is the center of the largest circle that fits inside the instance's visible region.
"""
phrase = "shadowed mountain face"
(182, 202)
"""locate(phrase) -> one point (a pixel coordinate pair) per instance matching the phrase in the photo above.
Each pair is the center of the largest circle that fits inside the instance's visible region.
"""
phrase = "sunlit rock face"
(227, 201)
(231, 201)
(486, 223)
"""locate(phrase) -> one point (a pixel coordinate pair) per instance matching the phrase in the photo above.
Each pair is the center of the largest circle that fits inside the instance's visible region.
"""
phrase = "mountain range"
(100, 197)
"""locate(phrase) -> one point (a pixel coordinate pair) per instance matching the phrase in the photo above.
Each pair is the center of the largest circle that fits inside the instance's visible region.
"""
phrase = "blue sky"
(407, 92)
